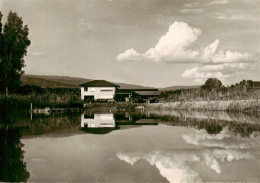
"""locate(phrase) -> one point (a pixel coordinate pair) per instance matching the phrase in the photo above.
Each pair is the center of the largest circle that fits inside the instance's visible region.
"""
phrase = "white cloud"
(37, 54)
(212, 158)
(244, 17)
(222, 71)
(171, 166)
(174, 166)
(190, 5)
(224, 140)
(191, 10)
(174, 47)
(170, 47)
(220, 2)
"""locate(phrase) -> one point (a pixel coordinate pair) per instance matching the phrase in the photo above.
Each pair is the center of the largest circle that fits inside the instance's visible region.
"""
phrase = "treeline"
(214, 90)
(41, 98)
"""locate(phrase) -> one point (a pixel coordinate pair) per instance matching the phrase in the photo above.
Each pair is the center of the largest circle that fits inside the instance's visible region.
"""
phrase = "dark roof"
(147, 93)
(98, 83)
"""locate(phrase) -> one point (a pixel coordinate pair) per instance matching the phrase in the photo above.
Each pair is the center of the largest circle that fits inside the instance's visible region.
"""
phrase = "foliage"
(14, 42)
(211, 84)
(47, 97)
(214, 90)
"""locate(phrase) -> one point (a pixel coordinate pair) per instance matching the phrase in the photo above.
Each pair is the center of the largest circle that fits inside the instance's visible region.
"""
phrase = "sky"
(155, 43)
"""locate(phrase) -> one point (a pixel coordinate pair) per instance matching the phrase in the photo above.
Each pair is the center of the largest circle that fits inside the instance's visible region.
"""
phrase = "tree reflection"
(212, 126)
(214, 129)
(12, 165)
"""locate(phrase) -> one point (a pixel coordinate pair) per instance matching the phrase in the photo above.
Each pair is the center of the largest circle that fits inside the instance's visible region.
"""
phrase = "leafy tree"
(212, 84)
(14, 42)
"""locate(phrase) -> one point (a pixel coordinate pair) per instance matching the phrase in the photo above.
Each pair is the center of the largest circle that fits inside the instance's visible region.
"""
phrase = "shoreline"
(251, 106)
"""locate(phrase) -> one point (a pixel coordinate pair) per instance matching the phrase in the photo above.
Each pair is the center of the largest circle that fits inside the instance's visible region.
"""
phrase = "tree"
(14, 42)
(212, 84)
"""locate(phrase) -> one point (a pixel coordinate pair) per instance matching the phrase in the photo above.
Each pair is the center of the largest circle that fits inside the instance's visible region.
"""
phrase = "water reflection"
(213, 143)
(212, 122)
(176, 166)
(209, 115)
(104, 123)
(180, 146)
(98, 121)
(12, 165)
(225, 139)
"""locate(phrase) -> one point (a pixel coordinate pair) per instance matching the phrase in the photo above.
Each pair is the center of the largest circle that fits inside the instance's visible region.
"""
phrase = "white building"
(98, 121)
(98, 90)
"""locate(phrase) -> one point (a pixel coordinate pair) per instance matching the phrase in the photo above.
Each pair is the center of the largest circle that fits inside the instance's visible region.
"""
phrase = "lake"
(127, 146)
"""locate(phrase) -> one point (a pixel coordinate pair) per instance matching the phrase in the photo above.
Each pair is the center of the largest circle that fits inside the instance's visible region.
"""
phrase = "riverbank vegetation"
(42, 97)
(214, 90)
(245, 106)
(213, 96)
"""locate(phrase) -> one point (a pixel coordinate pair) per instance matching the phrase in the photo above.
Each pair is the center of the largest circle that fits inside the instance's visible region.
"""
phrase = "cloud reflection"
(224, 139)
(174, 166)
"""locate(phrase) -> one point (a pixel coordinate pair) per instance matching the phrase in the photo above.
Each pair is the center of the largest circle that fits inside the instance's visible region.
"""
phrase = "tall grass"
(48, 99)
(247, 106)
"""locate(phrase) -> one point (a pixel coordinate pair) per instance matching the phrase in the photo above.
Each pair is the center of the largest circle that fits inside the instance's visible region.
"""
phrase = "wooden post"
(31, 111)
(6, 91)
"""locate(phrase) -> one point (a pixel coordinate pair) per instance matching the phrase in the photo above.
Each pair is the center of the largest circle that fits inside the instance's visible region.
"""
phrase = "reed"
(246, 106)
(52, 100)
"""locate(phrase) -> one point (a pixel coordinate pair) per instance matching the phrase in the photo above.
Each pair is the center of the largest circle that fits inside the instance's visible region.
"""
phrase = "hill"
(65, 82)
(45, 81)
(178, 87)
(52, 81)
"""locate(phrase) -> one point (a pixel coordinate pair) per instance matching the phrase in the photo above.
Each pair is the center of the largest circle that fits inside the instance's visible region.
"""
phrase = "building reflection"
(102, 123)
(95, 122)
(98, 120)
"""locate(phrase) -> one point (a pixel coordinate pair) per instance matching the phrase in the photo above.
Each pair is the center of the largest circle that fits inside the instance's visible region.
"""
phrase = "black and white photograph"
(129, 91)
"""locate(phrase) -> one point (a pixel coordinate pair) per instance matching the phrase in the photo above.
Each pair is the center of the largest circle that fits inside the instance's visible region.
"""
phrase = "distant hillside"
(178, 88)
(65, 82)
(52, 81)
(72, 82)
(131, 86)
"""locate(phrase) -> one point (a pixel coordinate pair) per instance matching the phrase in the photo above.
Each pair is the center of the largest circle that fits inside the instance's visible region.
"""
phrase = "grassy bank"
(246, 106)
(52, 100)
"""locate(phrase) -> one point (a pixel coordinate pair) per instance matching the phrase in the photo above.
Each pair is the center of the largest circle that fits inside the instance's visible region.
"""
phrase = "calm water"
(149, 146)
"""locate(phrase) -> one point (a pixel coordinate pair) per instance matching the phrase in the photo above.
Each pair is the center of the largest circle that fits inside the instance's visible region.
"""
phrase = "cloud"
(223, 71)
(212, 158)
(223, 140)
(170, 47)
(191, 10)
(174, 47)
(171, 166)
(190, 5)
(174, 166)
(218, 2)
(37, 54)
(244, 17)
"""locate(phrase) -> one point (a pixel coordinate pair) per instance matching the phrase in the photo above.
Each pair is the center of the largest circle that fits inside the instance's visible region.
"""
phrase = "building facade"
(103, 90)
(98, 90)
